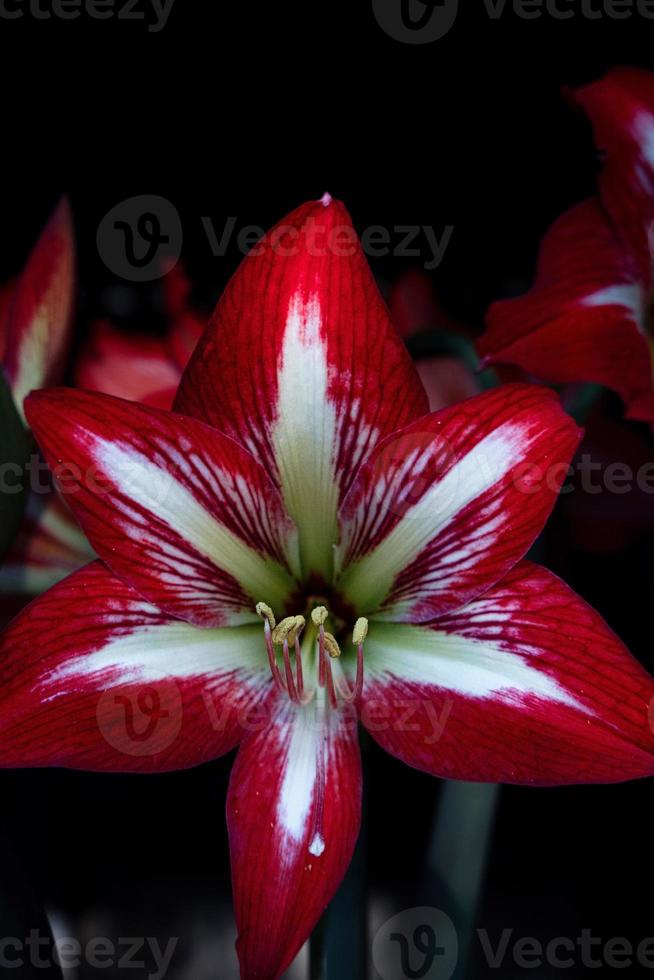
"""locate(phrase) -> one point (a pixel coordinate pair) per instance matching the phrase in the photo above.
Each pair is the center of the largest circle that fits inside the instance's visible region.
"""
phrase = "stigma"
(289, 642)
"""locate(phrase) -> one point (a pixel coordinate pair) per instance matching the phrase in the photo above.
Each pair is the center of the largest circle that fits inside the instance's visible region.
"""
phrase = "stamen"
(282, 630)
(299, 676)
(359, 633)
(287, 630)
(319, 615)
(321, 656)
(294, 638)
(318, 618)
(332, 646)
(266, 613)
(329, 646)
(290, 681)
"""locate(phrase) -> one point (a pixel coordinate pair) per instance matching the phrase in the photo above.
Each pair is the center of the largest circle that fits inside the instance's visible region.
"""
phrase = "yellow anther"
(319, 615)
(297, 629)
(266, 614)
(284, 630)
(331, 646)
(360, 631)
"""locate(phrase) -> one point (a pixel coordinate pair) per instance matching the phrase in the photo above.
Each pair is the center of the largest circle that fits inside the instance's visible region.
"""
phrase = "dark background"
(247, 110)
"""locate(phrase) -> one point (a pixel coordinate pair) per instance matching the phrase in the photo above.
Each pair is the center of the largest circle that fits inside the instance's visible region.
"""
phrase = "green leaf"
(14, 455)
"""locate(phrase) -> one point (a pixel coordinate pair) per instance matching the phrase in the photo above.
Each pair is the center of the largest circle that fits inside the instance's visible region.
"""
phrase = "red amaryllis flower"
(588, 315)
(36, 310)
(36, 314)
(143, 367)
(299, 475)
(50, 544)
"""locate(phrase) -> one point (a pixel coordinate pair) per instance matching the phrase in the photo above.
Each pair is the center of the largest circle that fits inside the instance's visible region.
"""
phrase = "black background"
(247, 110)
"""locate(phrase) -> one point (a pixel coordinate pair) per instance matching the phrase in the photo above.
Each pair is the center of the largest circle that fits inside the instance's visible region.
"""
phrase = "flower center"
(318, 648)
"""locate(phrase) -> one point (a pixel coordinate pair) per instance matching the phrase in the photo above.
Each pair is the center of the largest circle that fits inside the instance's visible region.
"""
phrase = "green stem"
(458, 854)
(317, 951)
(345, 923)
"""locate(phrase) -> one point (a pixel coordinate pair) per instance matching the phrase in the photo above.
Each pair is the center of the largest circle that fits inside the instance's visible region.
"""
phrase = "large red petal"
(445, 507)
(93, 677)
(621, 109)
(584, 318)
(39, 317)
(179, 511)
(524, 685)
(291, 833)
(302, 365)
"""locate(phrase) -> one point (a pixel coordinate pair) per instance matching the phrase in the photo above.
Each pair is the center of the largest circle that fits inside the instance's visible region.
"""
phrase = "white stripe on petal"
(309, 737)
(630, 296)
(304, 434)
(156, 489)
(147, 654)
(369, 580)
(461, 664)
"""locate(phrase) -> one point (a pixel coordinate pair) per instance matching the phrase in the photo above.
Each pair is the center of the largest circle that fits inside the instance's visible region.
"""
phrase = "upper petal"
(293, 815)
(621, 109)
(39, 315)
(179, 511)
(445, 507)
(93, 677)
(302, 365)
(584, 318)
(525, 685)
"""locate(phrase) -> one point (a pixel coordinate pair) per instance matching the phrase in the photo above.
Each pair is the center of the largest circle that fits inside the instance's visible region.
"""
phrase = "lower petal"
(93, 677)
(524, 685)
(293, 814)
